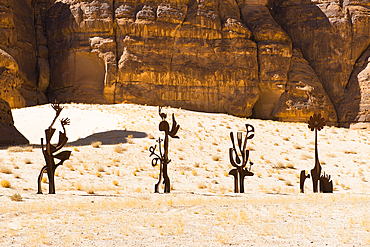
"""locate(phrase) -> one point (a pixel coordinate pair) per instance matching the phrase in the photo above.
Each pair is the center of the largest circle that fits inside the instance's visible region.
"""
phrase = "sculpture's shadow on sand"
(108, 138)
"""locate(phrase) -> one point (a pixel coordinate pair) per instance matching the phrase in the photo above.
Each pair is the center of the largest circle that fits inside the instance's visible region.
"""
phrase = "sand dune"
(104, 194)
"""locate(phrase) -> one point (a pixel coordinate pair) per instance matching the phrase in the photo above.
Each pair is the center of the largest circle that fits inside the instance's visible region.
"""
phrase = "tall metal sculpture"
(240, 172)
(48, 151)
(162, 158)
(317, 123)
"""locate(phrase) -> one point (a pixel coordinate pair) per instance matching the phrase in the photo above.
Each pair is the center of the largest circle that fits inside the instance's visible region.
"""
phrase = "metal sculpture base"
(322, 182)
(239, 175)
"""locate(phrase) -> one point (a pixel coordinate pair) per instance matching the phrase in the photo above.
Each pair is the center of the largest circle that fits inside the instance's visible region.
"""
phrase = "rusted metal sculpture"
(162, 158)
(240, 172)
(317, 123)
(48, 150)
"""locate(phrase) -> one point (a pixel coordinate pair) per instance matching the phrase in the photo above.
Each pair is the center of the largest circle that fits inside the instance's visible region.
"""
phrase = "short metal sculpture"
(48, 151)
(240, 172)
(162, 158)
(316, 123)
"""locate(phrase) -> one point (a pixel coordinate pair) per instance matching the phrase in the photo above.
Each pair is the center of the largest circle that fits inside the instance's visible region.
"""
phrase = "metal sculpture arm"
(162, 115)
(160, 148)
(65, 121)
(231, 151)
(242, 148)
(58, 109)
(175, 128)
(239, 137)
(155, 160)
(159, 157)
(250, 129)
(39, 179)
(42, 146)
(234, 149)
(152, 152)
(250, 165)
(63, 136)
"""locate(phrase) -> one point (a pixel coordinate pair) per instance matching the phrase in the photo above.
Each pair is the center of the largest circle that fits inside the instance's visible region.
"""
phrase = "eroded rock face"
(272, 59)
(82, 50)
(355, 106)
(274, 55)
(304, 95)
(10, 82)
(331, 35)
(211, 55)
(10, 136)
(186, 54)
(17, 28)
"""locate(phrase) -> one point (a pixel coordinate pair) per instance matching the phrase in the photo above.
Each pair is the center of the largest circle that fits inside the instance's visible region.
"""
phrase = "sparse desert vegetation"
(5, 183)
(104, 193)
(96, 144)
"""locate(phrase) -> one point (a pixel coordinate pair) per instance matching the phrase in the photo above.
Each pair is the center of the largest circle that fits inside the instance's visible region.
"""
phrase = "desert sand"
(104, 192)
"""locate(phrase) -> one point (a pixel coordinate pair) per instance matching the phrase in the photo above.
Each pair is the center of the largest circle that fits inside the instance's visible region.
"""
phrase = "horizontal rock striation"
(196, 56)
(270, 59)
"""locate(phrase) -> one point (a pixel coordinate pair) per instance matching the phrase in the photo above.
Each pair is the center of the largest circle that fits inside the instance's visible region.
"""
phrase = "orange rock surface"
(276, 59)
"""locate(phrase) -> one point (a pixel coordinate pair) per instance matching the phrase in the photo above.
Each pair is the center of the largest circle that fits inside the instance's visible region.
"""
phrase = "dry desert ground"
(104, 192)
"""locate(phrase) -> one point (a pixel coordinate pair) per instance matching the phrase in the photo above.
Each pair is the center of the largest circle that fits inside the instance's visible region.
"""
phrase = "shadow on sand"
(108, 138)
(111, 137)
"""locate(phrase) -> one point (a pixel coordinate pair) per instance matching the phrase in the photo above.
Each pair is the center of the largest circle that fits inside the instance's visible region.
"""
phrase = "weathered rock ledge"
(271, 59)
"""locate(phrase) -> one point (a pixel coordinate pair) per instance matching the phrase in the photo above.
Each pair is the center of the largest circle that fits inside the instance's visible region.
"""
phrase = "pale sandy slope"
(202, 209)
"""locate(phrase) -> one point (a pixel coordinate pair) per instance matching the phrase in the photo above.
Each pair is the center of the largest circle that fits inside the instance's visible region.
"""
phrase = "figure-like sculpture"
(163, 156)
(240, 172)
(48, 151)
(317, 123)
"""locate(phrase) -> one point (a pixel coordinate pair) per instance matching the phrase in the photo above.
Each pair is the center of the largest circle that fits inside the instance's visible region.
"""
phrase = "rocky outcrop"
(10, 136)
(82, 50)
(274, 55)
(10, 82)
(180, 54)
(18, 40)
(193, 55)
(270, 59)
(42, 50)
(355, 106)
(331, 35)
(304, 95)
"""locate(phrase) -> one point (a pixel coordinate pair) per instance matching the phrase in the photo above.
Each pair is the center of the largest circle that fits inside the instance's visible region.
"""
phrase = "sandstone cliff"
(271, 59)
(10, 136)
(332, 35)
(18, 42)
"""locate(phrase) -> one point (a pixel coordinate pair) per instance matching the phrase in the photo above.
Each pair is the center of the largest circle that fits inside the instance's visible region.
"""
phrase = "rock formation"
(332, 35)
(10, 82)
(303, 93)
(270, 59)
(355, 107)
(10, 136)
(18, 40)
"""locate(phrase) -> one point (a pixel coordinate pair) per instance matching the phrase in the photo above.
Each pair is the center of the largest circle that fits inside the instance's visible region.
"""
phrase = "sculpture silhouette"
(240, 172)
(326, 185)
(163, 156)
(48, 151)
(302, 179)
(317, 123)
